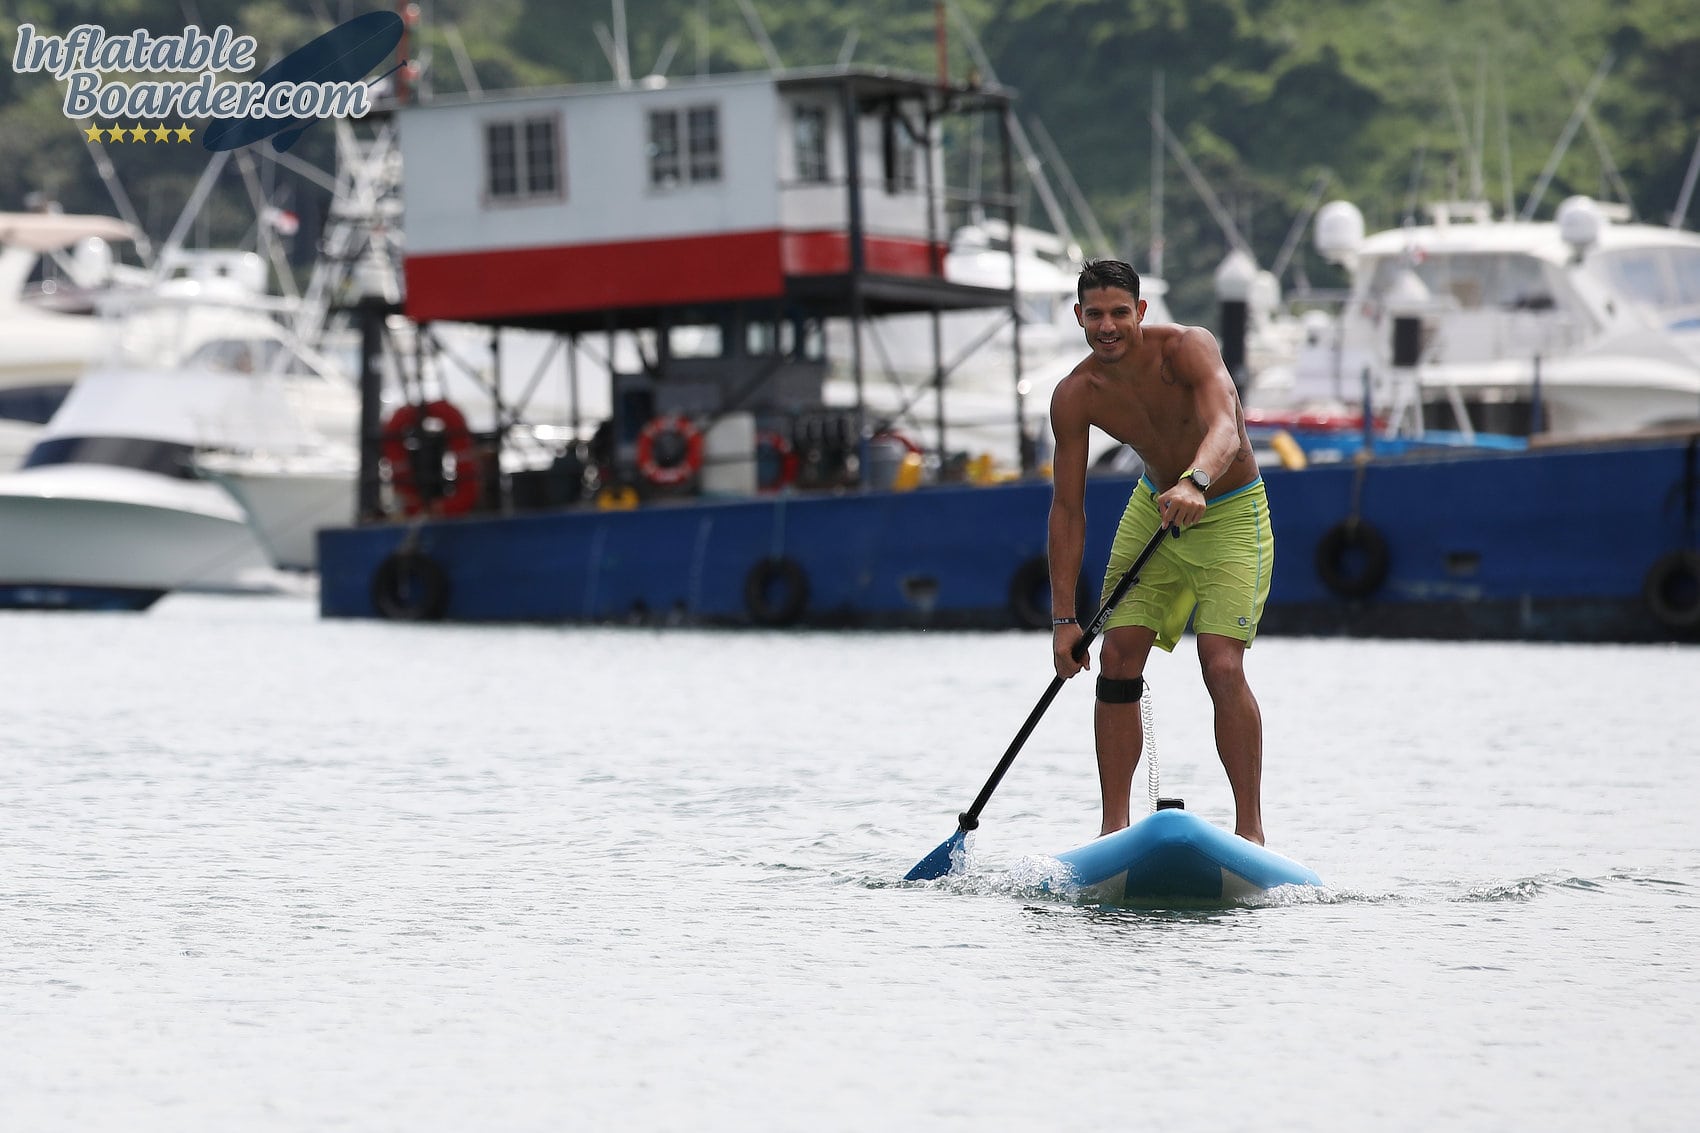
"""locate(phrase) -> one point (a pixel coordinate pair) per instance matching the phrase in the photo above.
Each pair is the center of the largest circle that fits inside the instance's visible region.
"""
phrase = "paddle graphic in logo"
(345, 54)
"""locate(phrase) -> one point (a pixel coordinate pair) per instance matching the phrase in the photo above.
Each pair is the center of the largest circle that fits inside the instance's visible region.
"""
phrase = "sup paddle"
(937, 863)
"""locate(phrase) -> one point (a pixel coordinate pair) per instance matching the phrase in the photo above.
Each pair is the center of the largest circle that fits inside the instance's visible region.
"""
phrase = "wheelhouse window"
(684, 146)
(705, 143)
(900, 153)
(522, 158)
(808, 127)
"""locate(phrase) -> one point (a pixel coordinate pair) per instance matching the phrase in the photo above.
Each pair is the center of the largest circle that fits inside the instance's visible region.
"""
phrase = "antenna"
(1156, 253)
(1569, 133)
(622, 49)
(463, 61)
(1457, 106)
(1680, 213)
(1201, 186)
(191, 210)
(1075, 196)
(1300, 223)
(1029, 160)
(614, 45)
(1478, 153)
(609, 51)
(1505, 146)
(752, 18)
(665, 59)
(264, 236)
(702, 46)
(1607, 165)
(115, 187)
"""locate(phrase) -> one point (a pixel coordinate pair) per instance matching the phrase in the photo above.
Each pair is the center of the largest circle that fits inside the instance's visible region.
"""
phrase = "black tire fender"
(1352, 559)
(1030, 595)
(410, 586)
(1672, 589)
(776, 591)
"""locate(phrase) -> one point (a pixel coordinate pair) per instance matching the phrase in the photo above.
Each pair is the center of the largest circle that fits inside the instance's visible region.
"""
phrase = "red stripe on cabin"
(828, 253)
(593, 277)
(509, 282)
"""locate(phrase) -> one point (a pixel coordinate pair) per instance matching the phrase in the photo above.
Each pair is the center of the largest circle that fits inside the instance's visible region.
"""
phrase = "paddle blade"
(938, 863)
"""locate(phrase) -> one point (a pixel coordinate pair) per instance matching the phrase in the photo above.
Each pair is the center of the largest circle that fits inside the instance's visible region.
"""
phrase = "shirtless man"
(1164, 391)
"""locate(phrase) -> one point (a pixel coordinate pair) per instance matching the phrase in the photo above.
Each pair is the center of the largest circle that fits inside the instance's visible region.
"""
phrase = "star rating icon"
(139, 132)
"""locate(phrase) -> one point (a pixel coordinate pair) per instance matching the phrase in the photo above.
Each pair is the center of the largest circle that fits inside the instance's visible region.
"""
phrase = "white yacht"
(1584, 324)
(978, 344)
(113, 507)
(47, 336)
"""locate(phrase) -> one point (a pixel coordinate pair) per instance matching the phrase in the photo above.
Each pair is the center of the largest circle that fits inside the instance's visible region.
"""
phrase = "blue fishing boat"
(1540, 545)
(725, 487)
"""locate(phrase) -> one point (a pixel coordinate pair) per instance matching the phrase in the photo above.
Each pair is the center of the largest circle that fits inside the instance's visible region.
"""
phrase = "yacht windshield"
(1666, 279)
(162, 457)
(1473, 281)
(242, 356)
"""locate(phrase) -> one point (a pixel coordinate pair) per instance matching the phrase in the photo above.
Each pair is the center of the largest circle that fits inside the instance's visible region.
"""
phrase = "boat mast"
(1679, 215)
(1565, 138)
(1156, 252)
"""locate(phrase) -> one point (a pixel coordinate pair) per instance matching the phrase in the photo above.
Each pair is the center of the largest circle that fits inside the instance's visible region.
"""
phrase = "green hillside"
(1392, 102)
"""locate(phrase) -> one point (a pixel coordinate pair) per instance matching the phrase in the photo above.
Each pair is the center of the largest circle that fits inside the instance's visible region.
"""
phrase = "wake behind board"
(1173, 855)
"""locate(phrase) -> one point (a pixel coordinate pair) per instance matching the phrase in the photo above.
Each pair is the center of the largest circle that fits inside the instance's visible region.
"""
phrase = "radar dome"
(1339, 230)
(1580, 222)
(1235, 277)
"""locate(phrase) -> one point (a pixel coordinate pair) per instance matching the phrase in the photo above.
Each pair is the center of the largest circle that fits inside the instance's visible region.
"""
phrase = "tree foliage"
(1395, 102)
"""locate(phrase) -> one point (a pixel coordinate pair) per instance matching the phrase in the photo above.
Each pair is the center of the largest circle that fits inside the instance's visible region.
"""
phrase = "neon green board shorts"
(1216, 573)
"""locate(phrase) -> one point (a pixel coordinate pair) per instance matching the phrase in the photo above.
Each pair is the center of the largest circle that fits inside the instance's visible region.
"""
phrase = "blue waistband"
(1145, 482)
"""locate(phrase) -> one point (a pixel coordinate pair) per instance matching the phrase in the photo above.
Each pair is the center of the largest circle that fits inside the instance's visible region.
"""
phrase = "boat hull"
(287, 503)
(94, 537)
(1544, 544)
(57, 596)
(1172, 855)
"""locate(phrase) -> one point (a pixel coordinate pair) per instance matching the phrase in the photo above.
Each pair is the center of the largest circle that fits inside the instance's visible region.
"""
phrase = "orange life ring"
(777, 463)
(680, 457)
(403, 434)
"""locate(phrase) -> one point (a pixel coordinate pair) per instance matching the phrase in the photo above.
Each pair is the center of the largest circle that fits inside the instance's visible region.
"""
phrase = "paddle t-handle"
(938, 863)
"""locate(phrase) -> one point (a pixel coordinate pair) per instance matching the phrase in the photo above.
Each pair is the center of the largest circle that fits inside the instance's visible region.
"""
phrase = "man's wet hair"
(1107, 273)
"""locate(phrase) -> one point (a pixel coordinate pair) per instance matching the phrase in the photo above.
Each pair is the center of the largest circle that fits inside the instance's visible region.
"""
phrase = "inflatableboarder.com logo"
(322, 79)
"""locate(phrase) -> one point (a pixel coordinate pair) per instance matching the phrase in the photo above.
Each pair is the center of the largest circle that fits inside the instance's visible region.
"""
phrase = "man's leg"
(1117, 725)
(1239, 728)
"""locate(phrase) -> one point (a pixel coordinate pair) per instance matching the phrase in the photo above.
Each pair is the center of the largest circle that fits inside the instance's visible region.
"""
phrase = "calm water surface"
(260, 871)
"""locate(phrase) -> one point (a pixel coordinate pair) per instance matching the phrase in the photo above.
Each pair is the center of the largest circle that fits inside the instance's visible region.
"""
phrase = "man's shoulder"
(1069, 396)
(1187, 348)
(1084, 373)
(1173, 334)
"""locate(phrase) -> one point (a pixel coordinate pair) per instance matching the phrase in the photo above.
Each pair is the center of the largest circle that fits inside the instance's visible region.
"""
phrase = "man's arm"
(1066, 528)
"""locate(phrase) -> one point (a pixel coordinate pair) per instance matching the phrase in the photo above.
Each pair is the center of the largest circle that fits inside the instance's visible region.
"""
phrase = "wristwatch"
(1197, 476)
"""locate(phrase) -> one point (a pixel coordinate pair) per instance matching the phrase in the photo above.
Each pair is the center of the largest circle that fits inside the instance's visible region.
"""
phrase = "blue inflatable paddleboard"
(1171, 854)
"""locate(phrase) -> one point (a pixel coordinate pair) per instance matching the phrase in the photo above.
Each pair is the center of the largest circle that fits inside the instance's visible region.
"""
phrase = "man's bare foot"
(1255, 836)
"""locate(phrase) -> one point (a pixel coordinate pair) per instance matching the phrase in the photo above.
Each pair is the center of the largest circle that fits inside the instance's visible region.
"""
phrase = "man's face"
(1110, 316)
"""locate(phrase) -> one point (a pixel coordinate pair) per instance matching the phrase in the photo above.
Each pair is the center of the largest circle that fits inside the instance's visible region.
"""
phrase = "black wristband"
(1065, 621)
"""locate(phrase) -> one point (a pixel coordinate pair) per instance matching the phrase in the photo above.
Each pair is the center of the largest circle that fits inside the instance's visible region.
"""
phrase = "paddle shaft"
(970, 818)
